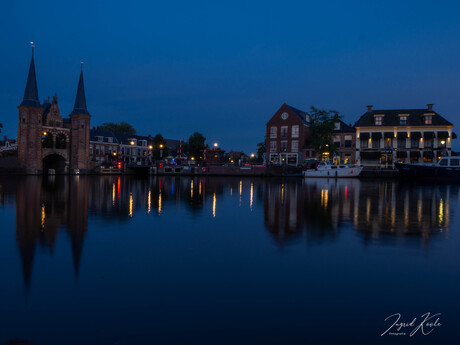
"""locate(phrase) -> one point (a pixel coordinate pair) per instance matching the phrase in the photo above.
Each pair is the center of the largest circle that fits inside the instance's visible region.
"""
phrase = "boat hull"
(428, 172)
(333, 173)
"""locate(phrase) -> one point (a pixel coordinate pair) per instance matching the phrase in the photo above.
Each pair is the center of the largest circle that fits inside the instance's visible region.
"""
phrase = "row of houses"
(378, 137)
(108, 148)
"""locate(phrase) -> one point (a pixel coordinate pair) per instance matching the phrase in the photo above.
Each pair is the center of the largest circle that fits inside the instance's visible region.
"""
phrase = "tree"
(160, 150)
(118, 128)
(194, 145)
(322, 130)
(260, 150)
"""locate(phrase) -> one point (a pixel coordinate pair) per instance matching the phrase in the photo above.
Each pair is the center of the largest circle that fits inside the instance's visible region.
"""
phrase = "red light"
(119, 165)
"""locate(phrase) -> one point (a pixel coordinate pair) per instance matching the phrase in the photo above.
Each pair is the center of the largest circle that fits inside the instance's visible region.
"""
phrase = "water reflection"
(316, 209)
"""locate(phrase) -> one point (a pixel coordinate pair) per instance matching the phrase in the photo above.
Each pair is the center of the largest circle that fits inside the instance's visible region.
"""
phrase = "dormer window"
(100, 139)
(378, 120)
(337, 126)
(403, 120)
(428, 120)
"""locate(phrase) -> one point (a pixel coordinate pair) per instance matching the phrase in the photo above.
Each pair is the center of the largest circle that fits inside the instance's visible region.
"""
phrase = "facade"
(403, 135)
(46, 140)
(135, 150)
(287, 137)
(103, 147)
(345, 141)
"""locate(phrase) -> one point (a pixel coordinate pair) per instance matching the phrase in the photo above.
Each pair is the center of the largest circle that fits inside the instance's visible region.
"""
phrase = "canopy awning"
(429, 135)
(454, 135)
(415, 154)
(364, 136)
(443, 134)
(415, 135)
(376, 135)
(388, 135)
(401, 154)
(402, 135)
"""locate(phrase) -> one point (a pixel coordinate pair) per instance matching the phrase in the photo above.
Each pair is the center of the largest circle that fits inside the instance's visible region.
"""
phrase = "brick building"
(46, 140)
(345, 141)
(103, 147)
(287, 137)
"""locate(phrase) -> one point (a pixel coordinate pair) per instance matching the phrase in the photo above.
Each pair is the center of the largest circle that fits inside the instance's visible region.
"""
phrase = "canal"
(170, 260)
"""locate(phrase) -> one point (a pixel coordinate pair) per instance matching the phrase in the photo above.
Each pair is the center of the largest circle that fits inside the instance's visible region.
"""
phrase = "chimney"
(430, 106)
(369, 108)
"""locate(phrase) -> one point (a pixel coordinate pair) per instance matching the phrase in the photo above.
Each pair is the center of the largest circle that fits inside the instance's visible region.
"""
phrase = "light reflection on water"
(264, 214)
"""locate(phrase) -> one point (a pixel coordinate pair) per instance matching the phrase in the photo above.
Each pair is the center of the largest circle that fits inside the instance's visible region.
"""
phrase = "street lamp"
(132, 142)
(252, 155)
(443, 142)
(161, 151)
(215, 145)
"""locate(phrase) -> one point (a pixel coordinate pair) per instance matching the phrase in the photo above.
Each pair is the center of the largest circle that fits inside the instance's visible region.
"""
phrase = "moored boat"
(324, 169)
(448, 168)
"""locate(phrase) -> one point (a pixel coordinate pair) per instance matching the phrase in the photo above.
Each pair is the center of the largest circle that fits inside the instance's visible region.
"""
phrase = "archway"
(55, 162)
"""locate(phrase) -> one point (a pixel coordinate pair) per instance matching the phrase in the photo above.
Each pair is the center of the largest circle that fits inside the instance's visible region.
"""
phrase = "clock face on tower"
(284, 116)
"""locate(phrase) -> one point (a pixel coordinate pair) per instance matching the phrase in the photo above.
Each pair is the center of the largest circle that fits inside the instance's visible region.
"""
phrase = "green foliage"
(321, 130)
(160, 150)
(194, 145)
(261, 150)
(118, 128)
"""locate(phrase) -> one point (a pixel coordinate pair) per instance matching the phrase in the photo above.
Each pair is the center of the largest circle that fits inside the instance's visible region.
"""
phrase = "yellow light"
(44, 133)
(251, 198)
(443, 142)
(132, 142)
(150, 147)
(130, 204)
(193, 158)
(43, 217)
(161, 146)
(214, 200)
(149, 201)
(191, 189)
(159, 203)
(113, 194)
(215, 144)
(252, 155)
(114, 153)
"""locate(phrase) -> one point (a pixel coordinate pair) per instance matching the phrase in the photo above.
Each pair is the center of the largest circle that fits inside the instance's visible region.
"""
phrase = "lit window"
(403, 120)
(378, 120)
(428, 120)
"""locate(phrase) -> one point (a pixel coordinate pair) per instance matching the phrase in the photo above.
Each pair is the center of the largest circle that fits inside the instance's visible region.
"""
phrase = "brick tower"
(79, 131)
(30, 125)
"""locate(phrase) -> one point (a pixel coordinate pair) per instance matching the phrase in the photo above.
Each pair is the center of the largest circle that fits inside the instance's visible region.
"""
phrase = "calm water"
(226, 260)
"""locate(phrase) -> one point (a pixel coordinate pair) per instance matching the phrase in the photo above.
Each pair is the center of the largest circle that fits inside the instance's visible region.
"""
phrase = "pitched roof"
(80, 99)
(31, 91)
(344, 128)
(391, 118)
(300, 113)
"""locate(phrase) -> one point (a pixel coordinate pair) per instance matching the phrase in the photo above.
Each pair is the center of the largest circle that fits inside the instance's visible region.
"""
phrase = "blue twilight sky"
(223, 68)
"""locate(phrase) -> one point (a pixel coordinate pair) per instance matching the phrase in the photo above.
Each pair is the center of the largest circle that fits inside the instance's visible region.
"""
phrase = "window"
(403, 120)
(443, 161)
(337, 126)
(428, 120)
(428, 142)
(295, 146)
(284, 131)
(336, 140)
(414, 143)
(378, 120)
(284, 145)
(364, 143)
(272, 146)
(401, 143)
(110, 140)
(91, 149)
(348, 141)
(99, 138)
(295, 131)
(82, 124)
(376, 143)
(273, 131)
(455, 162)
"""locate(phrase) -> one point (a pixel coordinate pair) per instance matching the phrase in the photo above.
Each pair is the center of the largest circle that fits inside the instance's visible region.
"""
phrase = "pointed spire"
(31, 91)
(80, 100)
